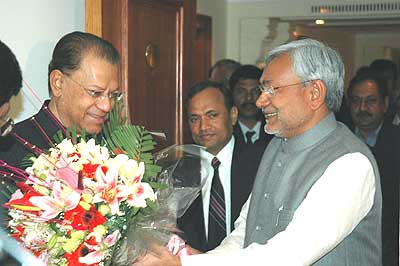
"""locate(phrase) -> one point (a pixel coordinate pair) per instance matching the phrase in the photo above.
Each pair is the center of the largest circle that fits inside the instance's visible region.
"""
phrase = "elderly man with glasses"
(83, 83)
(316, 199)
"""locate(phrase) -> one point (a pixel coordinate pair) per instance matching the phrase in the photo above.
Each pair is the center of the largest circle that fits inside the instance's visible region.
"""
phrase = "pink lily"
(63, 198)
(137, 193)
(107, 187)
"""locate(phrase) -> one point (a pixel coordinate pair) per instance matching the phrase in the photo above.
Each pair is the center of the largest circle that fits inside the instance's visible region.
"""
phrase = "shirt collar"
(256, 130)
(372, 136)
(224, 155)
(396, 120)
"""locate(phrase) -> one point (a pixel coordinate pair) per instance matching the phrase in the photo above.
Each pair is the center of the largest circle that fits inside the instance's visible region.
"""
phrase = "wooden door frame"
(98, 22)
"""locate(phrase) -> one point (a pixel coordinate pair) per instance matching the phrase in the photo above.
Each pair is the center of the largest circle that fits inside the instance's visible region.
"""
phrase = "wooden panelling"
(153, 95)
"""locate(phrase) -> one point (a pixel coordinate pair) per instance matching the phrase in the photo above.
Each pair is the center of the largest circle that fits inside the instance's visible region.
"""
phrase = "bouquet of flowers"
(183, 179)
(88, 201)
(72, 206)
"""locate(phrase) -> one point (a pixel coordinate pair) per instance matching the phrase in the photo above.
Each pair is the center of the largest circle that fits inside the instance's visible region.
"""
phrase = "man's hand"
(158, 256)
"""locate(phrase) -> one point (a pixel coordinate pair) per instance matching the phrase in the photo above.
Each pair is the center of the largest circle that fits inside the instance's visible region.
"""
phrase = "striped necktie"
(216, 213)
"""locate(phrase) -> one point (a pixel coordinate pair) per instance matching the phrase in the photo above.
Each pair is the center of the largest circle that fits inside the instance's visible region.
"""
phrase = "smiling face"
(289, 112)
(71, 102)
(211, 124)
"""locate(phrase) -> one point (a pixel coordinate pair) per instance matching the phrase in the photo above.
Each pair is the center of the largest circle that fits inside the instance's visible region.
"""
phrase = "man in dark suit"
(369, 103)
(11, 253)
(211, 116)
(249, 131)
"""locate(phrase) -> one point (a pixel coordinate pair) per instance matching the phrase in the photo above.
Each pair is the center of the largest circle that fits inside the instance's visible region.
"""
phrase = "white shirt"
(396, 120)
(225, 157)
(334, 206)
(256, 130)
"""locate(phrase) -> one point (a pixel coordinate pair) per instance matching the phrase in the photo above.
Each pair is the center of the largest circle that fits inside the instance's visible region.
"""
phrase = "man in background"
(10, 84)
(83, 80)
(387, 71)
(369, 102)
(11, 253)
(222, 70)
(231, 169)
(249, 131)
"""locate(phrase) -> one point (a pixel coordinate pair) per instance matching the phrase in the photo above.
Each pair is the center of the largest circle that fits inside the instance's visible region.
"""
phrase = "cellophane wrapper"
(183, 179)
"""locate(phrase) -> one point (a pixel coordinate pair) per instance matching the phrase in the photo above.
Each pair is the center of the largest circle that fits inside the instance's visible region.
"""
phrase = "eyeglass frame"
(112, 96)
(271, 90)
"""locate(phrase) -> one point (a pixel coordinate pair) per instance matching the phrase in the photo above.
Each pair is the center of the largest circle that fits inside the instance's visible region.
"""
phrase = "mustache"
(248, 104)
(363, 114)
(205, 132)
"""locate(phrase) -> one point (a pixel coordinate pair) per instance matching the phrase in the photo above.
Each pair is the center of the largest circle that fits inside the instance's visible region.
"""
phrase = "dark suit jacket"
(387, 155)
(263, 140)
(13, 151)
(243, 171)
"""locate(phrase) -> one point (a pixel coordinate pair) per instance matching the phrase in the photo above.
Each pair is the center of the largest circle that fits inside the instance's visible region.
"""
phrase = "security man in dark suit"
(212, 115)
(249, 131)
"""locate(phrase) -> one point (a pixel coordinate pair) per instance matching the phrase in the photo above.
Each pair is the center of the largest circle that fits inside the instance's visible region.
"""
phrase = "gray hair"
(313, 60)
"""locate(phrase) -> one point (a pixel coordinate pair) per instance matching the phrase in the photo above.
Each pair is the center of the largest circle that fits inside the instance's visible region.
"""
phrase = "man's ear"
(234, 115)
(4, 109)
(56, 81)
(317, 94)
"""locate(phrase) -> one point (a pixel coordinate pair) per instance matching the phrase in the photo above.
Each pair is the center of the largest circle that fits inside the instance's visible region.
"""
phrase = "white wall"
(216, 9)
(31, 28)
(374, 45)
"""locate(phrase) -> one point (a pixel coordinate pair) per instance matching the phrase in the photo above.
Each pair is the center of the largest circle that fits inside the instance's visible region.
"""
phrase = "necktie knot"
(249, 136)
(215, 163)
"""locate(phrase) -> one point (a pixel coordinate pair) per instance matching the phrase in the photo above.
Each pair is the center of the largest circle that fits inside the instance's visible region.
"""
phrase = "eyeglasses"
(99, 95)
(270, 90)
(369, 100)
(6, 127)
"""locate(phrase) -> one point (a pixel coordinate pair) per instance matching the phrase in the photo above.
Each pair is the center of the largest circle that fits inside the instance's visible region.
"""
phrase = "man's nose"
(104, 104)
(263, 100)
(204, 124)
(363, 105)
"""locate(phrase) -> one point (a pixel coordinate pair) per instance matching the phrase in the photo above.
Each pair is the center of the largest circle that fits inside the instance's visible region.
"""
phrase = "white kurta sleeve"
(333, 207)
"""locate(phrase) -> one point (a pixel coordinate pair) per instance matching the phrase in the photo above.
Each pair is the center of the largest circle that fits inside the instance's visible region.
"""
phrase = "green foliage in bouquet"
(134, 140)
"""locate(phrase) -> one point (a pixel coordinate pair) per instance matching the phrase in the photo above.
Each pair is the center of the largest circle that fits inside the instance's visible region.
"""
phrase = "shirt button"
(266, 195)
(258, 228)
(279, 164)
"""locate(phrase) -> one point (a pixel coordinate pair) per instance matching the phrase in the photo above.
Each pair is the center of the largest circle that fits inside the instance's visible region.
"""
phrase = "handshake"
(169, 255)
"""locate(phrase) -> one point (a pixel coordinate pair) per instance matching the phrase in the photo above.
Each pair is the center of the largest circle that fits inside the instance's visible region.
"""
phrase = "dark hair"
(368, 74)
(199, 87)
(10, 74)
(382, 66)
(227, 63)
(244, 72)
(71, 49)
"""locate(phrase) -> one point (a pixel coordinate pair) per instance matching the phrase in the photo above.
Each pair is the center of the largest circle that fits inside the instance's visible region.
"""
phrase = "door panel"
(153, 93)
(153, 90)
